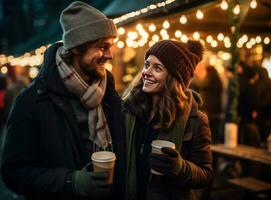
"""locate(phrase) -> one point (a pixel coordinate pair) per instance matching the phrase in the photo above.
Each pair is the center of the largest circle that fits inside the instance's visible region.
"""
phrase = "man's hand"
(170, 163)
(91, 184)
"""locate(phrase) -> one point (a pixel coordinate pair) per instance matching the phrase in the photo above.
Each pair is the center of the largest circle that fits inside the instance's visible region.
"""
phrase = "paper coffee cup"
(104, 161)
(156, 148)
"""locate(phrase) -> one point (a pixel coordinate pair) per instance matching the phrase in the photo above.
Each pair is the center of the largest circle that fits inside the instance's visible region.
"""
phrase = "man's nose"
(108, 54)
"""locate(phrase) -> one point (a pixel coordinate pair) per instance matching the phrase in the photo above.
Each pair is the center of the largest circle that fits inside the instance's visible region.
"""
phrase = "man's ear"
(75, 51)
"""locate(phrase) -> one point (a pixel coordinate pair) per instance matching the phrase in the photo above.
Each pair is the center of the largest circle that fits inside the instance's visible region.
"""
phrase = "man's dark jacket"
(44, 143)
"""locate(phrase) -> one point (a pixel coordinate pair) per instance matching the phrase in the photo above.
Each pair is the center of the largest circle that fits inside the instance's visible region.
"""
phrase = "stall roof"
(256, 21)
(53, 32)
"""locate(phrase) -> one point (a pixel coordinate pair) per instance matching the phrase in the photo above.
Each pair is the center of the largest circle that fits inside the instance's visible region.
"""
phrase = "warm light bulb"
(121, 30)
(152, 27)
(183, 19)
(184, 38)
(4, 70)
(258, 39)
(178, 34)
(236, 9)
(224, 5)
(166, 24)
(120, 44)
(266, 40)
(139, 26)
(196, 35)
(163, 32)
(155, 38)
(209, 39)
(220, 36)
(199, 14)
(253, 4)
(214, 43)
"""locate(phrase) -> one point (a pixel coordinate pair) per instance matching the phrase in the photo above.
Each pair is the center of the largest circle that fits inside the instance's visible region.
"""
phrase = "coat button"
(39, 91)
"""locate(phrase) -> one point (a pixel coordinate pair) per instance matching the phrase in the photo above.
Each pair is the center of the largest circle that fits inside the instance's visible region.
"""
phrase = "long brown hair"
(168, 108)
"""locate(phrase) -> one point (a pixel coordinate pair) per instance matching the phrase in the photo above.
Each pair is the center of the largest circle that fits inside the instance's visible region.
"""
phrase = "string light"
(183, 19)
(214, 43)
(152, 28)
(120, 44)
(33, 72)
(163, 32)
(121, 31)
(184, 38)
(155, 38)
(224, 5)
(199, 14)
(139, 27)
(266, 40)
(239, 44)
(258, 39)
(166, 24)
(142, 11)
(220, 36)
(178, 33)
(236, 9)
(4, 70)
(227, 44)
(248, 45)
(196, 35)
(253, 4)
(209, 38)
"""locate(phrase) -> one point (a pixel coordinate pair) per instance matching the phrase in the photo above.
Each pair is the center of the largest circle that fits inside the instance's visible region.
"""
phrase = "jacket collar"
(49, 76)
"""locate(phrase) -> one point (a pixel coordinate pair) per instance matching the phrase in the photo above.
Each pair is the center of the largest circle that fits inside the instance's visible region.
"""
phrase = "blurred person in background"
(210, 88)
(248, 131)
(263, 88)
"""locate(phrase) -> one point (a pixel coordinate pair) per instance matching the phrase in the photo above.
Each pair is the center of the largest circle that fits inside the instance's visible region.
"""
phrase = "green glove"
(91, 184)
(170, 163)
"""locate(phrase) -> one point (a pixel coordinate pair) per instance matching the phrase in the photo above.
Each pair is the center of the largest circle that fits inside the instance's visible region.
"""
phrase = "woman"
(159, 105)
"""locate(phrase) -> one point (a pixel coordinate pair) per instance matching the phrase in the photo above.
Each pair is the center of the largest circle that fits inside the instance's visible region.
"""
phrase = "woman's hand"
(169, 163)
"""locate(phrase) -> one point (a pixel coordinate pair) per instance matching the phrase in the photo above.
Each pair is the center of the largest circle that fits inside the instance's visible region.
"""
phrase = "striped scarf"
(91, 97)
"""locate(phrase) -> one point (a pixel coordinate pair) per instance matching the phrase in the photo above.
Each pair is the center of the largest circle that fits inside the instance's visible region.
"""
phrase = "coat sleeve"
(197, 170)
(22, 169)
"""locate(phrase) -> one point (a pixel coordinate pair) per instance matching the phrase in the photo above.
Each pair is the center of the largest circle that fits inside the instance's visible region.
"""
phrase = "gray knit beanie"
(82, 23)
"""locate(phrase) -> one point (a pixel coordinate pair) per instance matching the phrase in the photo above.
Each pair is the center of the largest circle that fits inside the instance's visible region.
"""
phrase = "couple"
(72, 110)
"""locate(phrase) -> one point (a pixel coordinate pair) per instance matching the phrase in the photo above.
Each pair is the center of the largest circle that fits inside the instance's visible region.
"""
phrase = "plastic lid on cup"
(103, 156)
(162, 143)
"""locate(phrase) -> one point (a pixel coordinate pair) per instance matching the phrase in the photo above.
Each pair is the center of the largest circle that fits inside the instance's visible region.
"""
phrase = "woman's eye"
(146, 65)
(158, 69)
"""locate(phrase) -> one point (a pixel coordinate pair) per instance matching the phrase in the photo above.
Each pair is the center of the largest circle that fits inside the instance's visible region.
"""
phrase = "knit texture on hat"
(82, 23)
(180, 59)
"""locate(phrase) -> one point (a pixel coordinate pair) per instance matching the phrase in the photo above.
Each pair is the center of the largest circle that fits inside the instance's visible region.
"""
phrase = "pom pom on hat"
(180, 59)
(196, 47)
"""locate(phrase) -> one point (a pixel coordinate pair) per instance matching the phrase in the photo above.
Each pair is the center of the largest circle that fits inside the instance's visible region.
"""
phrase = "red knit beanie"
(179, 58)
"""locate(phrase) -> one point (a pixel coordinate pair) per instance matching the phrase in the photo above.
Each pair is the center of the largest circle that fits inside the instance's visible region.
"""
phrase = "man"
(70, 111)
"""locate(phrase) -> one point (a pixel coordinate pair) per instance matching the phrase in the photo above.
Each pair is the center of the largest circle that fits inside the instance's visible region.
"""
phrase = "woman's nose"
(147, 71)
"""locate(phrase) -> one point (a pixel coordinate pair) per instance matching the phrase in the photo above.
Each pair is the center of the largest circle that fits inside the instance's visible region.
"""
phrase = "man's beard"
(92, 72)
